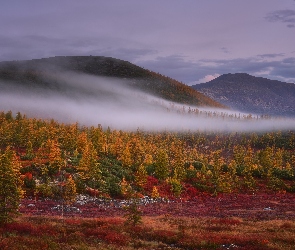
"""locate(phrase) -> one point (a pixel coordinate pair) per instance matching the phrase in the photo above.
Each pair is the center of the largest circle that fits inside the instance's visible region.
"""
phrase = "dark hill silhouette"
(251, 94)
(30, 73)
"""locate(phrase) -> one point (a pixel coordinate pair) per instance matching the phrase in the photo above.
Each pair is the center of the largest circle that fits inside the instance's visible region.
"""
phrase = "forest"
(47, 160)
(112, 163)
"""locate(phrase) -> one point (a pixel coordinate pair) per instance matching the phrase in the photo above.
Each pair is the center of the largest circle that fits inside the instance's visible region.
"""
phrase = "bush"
(110, 236)
(116, 238)
(283, 174)
(20, 228)
(165, 236)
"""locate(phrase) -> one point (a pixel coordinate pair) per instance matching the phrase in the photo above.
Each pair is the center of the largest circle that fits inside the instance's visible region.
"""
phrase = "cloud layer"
(187, 41)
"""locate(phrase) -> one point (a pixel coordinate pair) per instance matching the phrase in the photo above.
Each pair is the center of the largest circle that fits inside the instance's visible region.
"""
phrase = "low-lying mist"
(90, 100)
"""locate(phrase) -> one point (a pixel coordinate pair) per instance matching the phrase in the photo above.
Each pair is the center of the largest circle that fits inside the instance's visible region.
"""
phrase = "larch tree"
(126, 189)
(29, 150)
(10, 186)
(82, 142)
(141, 176)
(89, 169)
(162, 167)
(179, 172)
(155, 193)
(126, 157)
(88, 160)
(54, 156)
(69, 190)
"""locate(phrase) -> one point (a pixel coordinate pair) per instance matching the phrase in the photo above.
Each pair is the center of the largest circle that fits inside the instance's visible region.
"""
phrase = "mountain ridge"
(247, 93)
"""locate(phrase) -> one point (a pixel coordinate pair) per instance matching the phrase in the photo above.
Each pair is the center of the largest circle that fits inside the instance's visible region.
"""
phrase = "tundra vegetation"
(44, 160)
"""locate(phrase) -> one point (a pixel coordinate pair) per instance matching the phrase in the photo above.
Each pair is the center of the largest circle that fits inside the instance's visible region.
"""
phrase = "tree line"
(45, 158)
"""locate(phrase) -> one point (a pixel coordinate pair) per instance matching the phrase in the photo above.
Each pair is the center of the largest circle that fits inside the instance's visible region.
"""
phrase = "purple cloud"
(285, 16)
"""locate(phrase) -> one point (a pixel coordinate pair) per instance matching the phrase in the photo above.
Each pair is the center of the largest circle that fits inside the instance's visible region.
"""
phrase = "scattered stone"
(267, 209)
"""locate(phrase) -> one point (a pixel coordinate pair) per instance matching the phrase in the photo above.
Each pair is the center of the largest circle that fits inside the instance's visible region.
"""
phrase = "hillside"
(89, 188)
(39, 73)
(251, 94)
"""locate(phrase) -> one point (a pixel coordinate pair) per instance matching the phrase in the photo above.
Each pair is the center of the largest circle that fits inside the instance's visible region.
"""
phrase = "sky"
(190, 41)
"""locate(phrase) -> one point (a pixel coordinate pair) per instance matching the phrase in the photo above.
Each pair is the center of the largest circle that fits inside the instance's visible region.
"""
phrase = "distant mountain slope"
(31, 73)
(251, 94)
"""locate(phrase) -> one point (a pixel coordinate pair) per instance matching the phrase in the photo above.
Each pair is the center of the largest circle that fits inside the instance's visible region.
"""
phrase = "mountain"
(251, 94)
(42, 73)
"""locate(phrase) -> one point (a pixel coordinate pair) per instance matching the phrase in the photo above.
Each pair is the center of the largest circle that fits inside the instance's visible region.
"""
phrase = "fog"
(91, 100)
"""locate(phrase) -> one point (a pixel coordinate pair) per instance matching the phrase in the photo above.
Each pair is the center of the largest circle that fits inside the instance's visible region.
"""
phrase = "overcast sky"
(192, 41)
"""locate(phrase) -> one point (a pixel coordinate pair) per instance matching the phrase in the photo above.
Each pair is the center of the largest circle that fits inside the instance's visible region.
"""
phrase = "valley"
(100, 154)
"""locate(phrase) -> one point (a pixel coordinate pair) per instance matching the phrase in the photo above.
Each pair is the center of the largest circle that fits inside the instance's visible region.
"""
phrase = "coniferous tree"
(133, 214)
(141, 176)
(10, 186)
(69, 192)
(29, 150)
(162, 168)
(55, 159)
(155, 193)
(89, 173)
(179, 171)
(126, 157)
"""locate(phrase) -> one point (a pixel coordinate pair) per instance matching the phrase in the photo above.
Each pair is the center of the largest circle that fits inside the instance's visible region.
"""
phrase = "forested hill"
(251, 94)
(31, 73)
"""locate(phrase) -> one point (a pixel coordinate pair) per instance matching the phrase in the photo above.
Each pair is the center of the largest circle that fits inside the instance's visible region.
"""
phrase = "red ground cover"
(261, 206)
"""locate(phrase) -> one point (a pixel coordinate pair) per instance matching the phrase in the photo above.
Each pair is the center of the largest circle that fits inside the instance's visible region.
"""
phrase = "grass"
(161, 232)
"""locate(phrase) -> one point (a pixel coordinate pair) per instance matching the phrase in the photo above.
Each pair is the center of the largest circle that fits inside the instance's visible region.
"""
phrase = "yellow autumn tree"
(162, 164)
(88, 161)
(55, 159)
(126, 189)
(155, 193)
(125, 158)
(69, 190)
(10, 186)
(179, 171)
(82, 142)
(141, 176)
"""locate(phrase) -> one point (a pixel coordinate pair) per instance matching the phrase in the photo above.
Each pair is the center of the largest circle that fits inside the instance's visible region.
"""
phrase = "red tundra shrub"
(114, 221)
(88, 224)
(150, 183)
(165, 190)
(226, 221)
(4, 244)
(241, 240)
(166, 236)
(191, 192)
(196, 242)
(287, 225)
(74, 222)
(76, 236)
(116, 238)
(44, 229)
(28, 228)
(29, 176)
(141, 232)
(24, 242)
(110, 236)
(21, 228)
(97, 232)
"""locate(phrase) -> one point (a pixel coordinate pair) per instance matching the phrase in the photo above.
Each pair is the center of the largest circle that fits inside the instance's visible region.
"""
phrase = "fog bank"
(91, 100)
